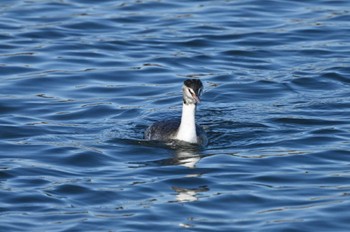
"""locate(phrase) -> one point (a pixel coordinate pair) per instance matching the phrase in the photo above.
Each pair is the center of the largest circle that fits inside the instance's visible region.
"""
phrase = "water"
(81, 80)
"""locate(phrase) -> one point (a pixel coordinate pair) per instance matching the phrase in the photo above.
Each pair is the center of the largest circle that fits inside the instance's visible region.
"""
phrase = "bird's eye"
(191, 91)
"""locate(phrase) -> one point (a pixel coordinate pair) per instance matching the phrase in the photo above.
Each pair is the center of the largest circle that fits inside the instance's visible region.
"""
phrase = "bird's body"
(185, 129)
(169, 129)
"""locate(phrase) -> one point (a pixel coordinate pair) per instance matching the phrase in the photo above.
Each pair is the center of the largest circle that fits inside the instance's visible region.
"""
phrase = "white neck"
(187, 129)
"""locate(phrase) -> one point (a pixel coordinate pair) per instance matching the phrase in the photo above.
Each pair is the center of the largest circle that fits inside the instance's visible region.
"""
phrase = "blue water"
(82, 80)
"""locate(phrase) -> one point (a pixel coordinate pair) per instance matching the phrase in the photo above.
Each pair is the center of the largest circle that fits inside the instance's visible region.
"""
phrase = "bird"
(184, 129)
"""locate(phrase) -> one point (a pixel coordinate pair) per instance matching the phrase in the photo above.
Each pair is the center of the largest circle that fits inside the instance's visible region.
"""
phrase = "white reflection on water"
(187, 158)
(188, 194)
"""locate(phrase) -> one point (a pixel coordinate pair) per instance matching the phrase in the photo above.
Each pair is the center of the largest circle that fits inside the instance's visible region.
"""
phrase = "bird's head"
(192, 89)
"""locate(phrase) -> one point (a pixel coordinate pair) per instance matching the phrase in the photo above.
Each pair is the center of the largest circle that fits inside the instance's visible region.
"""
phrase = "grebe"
(185, 129)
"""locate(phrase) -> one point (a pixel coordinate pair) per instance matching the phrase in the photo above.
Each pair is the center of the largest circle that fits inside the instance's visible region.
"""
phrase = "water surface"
(81, 80)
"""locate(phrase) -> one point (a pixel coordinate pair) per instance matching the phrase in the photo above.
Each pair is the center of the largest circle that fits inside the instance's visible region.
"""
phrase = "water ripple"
(81, 82)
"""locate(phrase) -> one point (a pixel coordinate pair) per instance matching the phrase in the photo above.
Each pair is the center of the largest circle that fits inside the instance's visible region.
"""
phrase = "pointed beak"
(196, 98)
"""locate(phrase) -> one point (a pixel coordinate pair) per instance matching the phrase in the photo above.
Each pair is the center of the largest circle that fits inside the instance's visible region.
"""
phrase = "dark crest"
(194, 84)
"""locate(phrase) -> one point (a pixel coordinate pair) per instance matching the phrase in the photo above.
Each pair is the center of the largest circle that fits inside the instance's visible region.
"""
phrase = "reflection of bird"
(187, 158)
(188, 195)
(186, 129)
